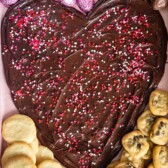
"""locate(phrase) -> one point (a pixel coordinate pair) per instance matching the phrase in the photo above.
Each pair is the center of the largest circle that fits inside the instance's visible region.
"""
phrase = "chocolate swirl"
(83, 79)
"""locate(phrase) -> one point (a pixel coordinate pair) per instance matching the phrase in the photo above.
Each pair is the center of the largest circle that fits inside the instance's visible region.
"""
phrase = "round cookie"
(44, 153)
(49, 164)
(20, 162)
(145, 122)
(18, 128)
(138, 163)
(17, 149)
(34, 144)
(124, 165)
(158, 102)
(159, 133)
(125, 156)
(160, 157)
(148, 155)
(135, 143)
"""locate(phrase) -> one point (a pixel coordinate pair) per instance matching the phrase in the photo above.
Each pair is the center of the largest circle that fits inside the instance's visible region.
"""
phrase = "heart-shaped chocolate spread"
(83, 79)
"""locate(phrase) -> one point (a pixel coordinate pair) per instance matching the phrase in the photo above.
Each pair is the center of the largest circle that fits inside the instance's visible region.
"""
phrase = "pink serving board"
(6, 105)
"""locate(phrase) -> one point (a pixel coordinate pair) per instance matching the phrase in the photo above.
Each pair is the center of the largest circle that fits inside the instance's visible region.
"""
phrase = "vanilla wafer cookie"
(49, 164)
(44, 153)
(20, 162)
(18, 128)
(17, 149)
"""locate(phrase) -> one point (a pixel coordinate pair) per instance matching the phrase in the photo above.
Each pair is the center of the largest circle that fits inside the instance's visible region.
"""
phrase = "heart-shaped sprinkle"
(159, 4)
(70, 3)
(85, 5)
(8, 2)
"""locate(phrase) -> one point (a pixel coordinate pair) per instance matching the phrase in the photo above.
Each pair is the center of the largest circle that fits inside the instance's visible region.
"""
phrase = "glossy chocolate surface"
(83, 79)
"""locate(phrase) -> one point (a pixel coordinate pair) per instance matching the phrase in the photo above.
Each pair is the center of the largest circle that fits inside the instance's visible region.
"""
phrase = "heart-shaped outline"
(99, 9)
